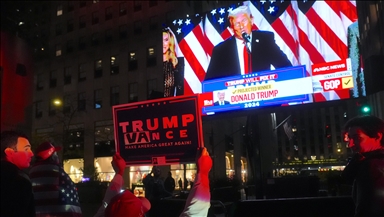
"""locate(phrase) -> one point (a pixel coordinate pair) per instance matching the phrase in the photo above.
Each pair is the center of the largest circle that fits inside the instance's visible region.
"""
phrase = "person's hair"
(370, 125)
(239, 10)
(9, 140)
(171, 50)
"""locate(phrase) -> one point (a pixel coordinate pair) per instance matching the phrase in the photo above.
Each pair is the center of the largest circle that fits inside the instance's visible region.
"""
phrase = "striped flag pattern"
(308, 32)
(54, 192)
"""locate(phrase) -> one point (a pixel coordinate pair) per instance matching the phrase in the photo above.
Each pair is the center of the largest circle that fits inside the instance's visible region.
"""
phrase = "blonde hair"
(237, 11)
(171, 50)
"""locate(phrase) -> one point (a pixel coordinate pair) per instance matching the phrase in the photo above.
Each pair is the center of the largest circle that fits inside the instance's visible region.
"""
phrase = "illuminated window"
(132, 63)
(98, 99)
(104, 139)
(58, 50)
(151, 57)
(151, 51)
(75, 141)
(98, 68)
(132, 56)
(59, 10)
(114, 65)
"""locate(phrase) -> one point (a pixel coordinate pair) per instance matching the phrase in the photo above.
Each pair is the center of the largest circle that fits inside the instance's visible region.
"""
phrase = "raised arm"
(199, 198)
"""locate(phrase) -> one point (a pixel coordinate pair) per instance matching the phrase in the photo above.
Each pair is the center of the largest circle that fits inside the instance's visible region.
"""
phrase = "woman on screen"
(172, 67)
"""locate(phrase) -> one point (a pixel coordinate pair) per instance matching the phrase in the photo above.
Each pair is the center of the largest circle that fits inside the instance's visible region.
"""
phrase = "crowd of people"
(47, 190)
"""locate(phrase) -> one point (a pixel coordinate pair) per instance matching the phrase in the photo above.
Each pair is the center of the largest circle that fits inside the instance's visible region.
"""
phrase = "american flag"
(288, 128)
(309, 32)
(55, 193)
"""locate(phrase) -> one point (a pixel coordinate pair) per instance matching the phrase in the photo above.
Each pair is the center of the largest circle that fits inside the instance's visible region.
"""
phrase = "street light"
(57, 102)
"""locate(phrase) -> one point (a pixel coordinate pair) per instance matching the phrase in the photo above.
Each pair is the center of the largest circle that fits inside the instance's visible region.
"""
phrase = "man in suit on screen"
(246, 51)
(221, 99)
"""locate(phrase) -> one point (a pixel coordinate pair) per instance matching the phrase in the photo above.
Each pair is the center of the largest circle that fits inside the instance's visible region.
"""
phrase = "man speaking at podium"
(246, 51)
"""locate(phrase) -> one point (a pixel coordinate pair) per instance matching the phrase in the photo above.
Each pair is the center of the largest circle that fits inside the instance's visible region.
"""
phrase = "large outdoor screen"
(263, 53)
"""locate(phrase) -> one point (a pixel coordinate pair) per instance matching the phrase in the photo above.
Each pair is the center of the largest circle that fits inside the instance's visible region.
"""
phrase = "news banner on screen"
(198, 47)
(286, 86)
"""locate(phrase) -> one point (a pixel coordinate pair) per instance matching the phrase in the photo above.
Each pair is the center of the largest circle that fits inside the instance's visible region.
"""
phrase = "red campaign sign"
(332, 84)
(168, 129)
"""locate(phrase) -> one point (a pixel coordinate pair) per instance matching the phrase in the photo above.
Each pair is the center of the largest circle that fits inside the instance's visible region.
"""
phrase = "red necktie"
(246, 61)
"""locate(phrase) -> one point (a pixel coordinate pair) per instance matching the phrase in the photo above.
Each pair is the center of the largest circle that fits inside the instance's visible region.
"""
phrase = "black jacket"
(265, 52)
(16, 192)
(366, 172)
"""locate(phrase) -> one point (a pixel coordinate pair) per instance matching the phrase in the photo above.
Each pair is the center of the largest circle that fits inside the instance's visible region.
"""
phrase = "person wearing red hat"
(118, 204)
(127, 204)
(55, 193)
(16, 188)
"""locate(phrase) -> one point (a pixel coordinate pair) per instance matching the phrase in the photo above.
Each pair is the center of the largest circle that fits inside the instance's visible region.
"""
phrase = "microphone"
(245, 37)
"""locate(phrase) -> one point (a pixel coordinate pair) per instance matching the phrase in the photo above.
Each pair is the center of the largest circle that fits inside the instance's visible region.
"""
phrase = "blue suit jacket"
(265, 52)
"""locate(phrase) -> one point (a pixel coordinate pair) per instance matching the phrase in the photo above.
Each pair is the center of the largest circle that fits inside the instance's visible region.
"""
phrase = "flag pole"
(282, 122)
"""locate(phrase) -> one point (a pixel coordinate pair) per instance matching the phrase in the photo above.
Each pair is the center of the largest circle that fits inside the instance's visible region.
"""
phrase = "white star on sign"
(188, 21)
(213, 12)
(271, 9)
(180, 22)
(222, 11)
(230, 9)
(174, 22)
(262, 1)
(272, 1)
(178, 31)
(221, 20)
